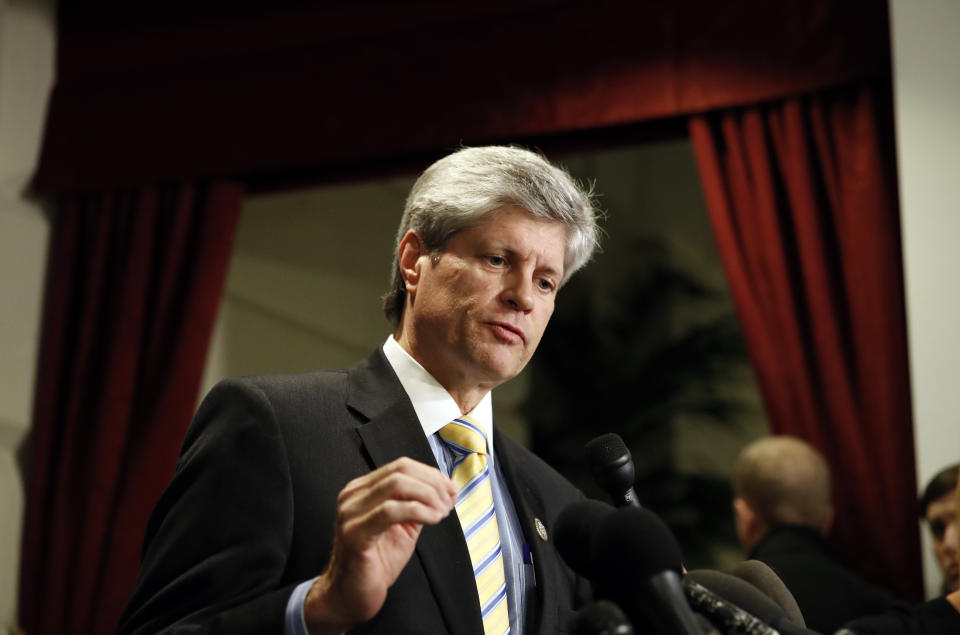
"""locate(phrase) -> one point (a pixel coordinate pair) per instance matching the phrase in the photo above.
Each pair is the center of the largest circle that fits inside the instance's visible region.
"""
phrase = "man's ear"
(748, 524)
(828, 519)
(408, 258)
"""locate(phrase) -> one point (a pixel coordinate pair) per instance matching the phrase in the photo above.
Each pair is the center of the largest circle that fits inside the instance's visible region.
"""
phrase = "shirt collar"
(434, 406)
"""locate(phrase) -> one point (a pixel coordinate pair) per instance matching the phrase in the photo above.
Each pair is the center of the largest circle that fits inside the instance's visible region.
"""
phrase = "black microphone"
(736, 607)
(725, 615)
(639, 560)
(601, 617)
(574, 531)
(612, 466)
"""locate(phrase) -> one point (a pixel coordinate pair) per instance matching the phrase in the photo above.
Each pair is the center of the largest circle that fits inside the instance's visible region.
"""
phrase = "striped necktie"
(471, 475)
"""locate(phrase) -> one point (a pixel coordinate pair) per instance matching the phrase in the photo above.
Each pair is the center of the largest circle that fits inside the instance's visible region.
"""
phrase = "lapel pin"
(541, 528)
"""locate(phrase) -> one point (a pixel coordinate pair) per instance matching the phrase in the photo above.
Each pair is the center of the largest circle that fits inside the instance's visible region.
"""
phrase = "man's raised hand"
(379, 518)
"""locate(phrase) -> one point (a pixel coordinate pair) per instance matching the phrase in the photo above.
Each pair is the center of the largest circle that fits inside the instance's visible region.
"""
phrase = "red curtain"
(343, 85)
(803, 200)
(134, 282)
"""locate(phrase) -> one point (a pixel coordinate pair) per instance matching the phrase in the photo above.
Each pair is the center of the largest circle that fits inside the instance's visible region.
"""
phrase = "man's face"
(480, 307)
(942, 518)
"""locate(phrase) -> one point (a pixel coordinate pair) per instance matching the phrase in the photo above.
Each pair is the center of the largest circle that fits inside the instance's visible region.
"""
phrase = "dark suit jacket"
(249, 513)
(829, 595)
(936, 617)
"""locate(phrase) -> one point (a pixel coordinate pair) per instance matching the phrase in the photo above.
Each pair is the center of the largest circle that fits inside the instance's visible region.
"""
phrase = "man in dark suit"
(321, 502)
(783, 512)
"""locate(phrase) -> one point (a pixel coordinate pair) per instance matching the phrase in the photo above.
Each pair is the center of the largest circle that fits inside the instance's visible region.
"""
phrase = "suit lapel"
(530, 510)
(394, 431)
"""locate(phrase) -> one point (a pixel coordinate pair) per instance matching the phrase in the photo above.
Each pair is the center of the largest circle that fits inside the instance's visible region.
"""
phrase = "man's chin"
(500, 370)
(952, 585)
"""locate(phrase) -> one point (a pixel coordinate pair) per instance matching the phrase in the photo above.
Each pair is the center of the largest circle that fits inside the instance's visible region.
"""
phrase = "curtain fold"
(135, 278)
(803, 201)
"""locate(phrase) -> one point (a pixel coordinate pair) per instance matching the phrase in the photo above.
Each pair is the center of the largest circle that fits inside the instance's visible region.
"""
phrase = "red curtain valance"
(176, 92)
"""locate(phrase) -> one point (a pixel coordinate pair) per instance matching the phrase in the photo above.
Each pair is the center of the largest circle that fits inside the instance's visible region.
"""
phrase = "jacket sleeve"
(218, 540)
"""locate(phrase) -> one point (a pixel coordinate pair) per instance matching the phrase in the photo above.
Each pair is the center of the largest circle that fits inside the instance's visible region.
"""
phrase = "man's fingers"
(388, 514)
(397, 487)
(379, 517)
(402, 480)
(415, 469)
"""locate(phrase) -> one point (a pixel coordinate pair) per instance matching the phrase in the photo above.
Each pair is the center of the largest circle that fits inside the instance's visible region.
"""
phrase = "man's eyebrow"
(550, 271)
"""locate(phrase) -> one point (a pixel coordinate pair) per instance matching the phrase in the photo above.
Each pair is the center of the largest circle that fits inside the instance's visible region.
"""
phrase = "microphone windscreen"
(606, 449)
(574, 533)
(738, 592)
(601, 617)
(760, 575)
(610, 462)
(634, 543)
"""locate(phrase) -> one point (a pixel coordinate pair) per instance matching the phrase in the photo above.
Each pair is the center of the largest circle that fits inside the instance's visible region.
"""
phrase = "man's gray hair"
(458, 191)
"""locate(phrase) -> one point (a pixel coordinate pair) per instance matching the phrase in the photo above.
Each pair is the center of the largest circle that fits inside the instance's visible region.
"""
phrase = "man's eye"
(496, 261)
(937, 528)
(545, 284)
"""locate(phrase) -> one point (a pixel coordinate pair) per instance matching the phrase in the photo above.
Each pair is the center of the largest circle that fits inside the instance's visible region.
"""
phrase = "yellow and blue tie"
(471, 475)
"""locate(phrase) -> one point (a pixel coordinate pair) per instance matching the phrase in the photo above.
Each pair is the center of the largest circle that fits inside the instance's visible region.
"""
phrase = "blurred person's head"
(780, 481)
(938, 507)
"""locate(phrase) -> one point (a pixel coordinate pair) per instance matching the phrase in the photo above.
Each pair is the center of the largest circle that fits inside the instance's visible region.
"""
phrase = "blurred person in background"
(940, 616)
(783, 511)
(938, 508)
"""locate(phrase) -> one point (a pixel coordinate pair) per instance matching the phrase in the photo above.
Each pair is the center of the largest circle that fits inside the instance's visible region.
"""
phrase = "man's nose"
(518, 292)
(950, 536)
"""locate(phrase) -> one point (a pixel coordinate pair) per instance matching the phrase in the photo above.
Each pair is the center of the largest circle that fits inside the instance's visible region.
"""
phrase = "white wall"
(27, 41)
(927, 100)
(305, 277)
